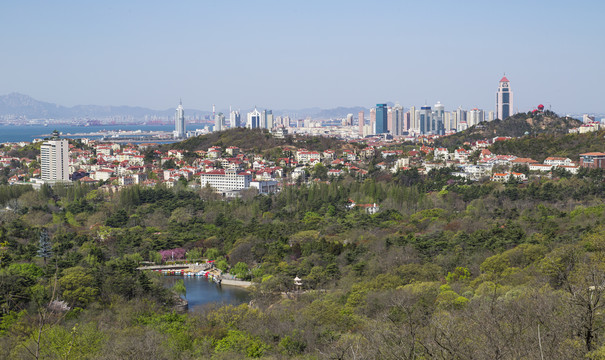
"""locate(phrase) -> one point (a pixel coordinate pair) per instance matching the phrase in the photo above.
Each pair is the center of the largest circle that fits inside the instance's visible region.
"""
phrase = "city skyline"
(316, 55)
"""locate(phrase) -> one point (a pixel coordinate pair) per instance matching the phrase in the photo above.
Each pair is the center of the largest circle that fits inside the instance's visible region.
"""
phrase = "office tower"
(269, 123)
(381, 119)
(504, 99)
(179, 122)
(349, 121)
(253, 119)
(286, 121)
(413, 120)
(361, 122)
(424, 119)
(373, 120)
(54, 158)
(407, 123)
(266, 119)
(438, 118)
(490, 116)
(390, 124)
(263, 119)
(235, 119)
(397, 114)
(447, 121)
(460, 115)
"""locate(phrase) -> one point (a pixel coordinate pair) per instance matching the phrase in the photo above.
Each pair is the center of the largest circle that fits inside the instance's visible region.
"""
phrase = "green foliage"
(240, 270)
(291, 345)
(459, 274)
(179, 287)
(78, 286)
(241, 343)
(514, 126)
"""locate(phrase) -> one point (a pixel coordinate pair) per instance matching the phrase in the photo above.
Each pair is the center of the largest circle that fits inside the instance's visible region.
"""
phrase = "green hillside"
(515, 126)
(256, 140)
(542, 146)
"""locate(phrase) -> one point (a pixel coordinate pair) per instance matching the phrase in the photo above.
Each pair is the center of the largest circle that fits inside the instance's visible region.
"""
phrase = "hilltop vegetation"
(540, 146)
(515, 126)
(255, 140)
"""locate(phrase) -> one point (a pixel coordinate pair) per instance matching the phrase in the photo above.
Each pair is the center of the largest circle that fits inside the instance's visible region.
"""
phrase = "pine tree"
(44, 247)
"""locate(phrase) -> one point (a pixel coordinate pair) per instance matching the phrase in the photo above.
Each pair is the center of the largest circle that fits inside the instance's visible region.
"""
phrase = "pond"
(201, 291)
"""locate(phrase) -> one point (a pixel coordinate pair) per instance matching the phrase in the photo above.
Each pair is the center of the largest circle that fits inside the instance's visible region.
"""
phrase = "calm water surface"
(201, 291)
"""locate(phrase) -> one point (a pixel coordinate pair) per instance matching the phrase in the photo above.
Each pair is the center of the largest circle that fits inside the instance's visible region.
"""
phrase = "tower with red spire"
(504, 99)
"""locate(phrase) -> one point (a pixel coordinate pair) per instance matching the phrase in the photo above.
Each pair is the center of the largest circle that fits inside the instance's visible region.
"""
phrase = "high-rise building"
(361, 122)
(266, 119)
(254, 119)
(438, 119)
(235, 119)
(349, 120)
(407, 124)
(424, 119)
(179, 122)
(413, 120)
(504, 99)
(397, 120)
(219, 122)
(373, 121)
(381, 125)
(460, 115)
(269, 123)
(475, 116)
(447, 121)
(54, 160)
(490, 116)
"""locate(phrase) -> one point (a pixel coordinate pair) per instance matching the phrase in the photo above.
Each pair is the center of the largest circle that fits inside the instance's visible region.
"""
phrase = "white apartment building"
(226, 180)
(54, 158)
(305, 157)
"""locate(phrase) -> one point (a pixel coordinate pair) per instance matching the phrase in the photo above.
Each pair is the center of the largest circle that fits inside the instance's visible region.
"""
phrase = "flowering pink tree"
(173, 254)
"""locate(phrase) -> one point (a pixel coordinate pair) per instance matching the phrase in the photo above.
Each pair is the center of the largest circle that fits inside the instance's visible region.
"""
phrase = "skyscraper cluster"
(433, 120)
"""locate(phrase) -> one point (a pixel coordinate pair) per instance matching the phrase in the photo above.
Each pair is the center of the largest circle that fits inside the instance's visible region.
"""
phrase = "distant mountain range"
(15, 104)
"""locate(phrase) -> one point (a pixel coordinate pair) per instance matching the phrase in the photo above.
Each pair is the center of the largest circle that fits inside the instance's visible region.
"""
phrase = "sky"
(299, 54)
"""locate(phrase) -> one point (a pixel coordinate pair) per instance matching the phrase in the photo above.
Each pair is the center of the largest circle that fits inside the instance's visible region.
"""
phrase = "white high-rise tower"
(179, 122)
(504, 99)
(54, 158)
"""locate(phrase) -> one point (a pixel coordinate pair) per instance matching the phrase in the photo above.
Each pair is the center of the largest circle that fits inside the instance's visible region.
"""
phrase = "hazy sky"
(295, 54)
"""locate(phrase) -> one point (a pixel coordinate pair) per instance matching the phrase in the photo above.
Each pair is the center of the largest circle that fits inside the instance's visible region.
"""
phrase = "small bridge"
(191, 267)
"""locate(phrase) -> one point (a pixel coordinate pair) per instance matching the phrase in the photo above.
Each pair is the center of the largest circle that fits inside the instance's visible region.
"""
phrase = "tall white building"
(504, 99)
(460, 115)
(475, 116)
(179, 122)
(413, 120)
(54, 157)
(219, 122)
(234, 119)
(450, 120)
(254, 119)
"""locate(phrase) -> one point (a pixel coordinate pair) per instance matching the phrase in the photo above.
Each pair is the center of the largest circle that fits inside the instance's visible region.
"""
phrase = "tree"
(44, 246)
(179, 287)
